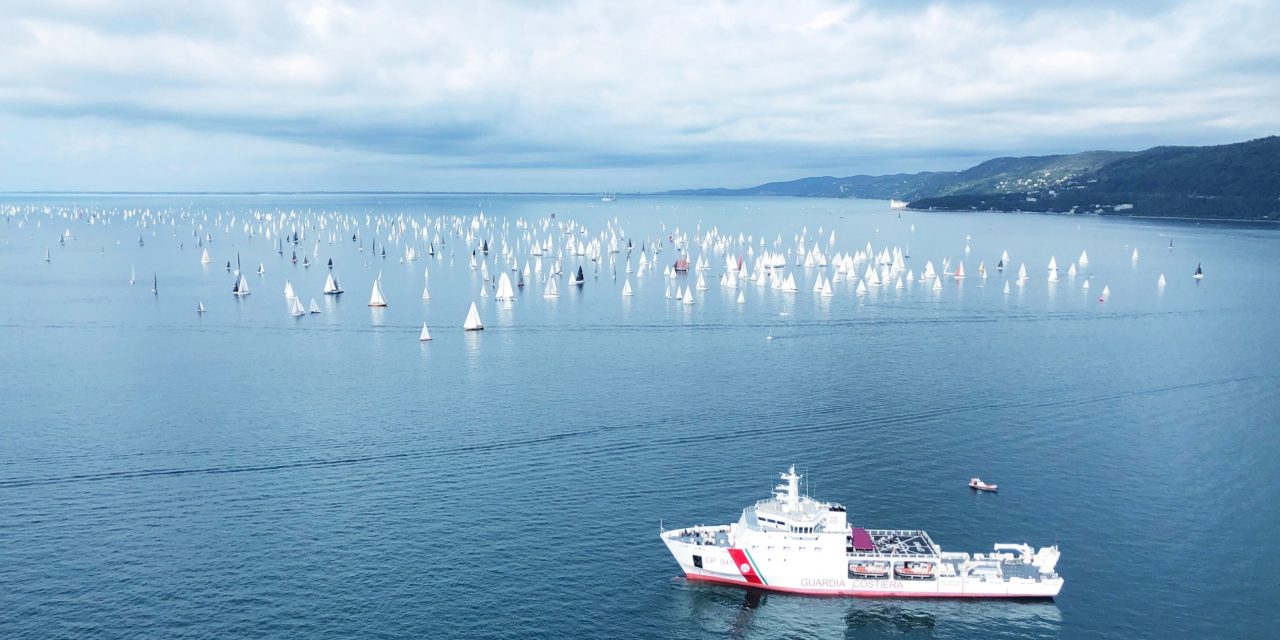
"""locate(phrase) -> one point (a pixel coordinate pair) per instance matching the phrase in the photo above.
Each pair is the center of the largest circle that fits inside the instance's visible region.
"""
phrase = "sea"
(244, 473)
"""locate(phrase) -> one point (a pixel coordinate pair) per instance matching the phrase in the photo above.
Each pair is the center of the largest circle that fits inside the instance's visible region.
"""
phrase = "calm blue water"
(250, 474)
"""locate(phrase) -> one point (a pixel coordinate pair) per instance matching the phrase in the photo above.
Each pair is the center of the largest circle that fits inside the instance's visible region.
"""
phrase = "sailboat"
(551, 291)
(155, 284)
(288, 290)
(331, 286)
(626, 288)
(47, 257)
(579, 278)
(376, 299)
(241, 287)
(742, 297)
(505, 292)
(261, 268)
(425, 335)
(199, 307)
(1160, 282)
(295, 307)
(1084, 258)
(204, 258)
(472, 322)
(315, 308)
(1135, 254)
(960, 271)
(688, 296)
(1199, 272)
(133, 274)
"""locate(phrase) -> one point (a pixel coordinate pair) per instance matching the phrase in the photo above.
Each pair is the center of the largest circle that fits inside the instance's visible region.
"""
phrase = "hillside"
(1232, 181)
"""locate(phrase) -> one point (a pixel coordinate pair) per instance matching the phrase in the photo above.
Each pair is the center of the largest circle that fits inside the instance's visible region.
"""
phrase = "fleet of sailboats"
(505, 256)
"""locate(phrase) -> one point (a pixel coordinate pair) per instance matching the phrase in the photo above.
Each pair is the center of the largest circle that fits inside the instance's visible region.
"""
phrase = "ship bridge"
(790, 511)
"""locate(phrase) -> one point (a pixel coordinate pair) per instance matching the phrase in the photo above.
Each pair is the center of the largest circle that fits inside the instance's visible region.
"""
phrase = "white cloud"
(645, 84)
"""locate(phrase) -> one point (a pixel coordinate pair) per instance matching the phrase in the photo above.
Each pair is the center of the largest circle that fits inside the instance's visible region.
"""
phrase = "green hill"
(1231, 181)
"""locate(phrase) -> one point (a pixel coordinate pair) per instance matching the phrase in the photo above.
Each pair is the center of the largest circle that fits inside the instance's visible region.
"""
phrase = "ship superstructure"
(794, 543)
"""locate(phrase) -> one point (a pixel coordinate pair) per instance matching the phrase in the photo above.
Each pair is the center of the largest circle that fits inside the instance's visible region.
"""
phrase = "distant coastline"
(1225, 182)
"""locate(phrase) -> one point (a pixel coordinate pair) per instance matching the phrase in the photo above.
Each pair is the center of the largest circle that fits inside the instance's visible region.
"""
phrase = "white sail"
(1084, 258)
(295, 307)
(826, 289)
(288, 290)
(331, 285)
(742, 297)
(626, 288)
(242, 286)
(1160, 282)
(133, 275)
(862, 286)
(1053, 264)
(472, 322)
(376, 299)
(937, 284)
(315, 308)
(1135, 254)
(505, 291)
(1006, 286)
(204, 257)
(426, 295)
(688, 296)
(425, 335)
(702, 283)
(551, 291)
(199, 307)
(1106, 291)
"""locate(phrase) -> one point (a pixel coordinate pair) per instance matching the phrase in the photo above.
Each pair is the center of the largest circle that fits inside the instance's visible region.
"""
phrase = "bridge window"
(697, 561)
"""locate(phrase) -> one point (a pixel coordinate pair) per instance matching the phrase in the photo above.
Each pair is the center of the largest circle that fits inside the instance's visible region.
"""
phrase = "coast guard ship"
(796, 544)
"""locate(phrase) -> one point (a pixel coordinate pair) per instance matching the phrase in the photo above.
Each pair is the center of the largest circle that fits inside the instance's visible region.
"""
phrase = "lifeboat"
(979, 485)
(915, 570)
(868, 569)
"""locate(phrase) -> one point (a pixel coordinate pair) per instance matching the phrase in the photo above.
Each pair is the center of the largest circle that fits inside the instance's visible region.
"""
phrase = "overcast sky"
(607, 95)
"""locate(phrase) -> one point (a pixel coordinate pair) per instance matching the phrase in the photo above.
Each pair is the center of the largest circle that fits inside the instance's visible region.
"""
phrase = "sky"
(616, 96)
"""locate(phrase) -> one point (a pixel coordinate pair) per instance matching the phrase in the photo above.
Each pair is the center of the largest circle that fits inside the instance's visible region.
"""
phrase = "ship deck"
(895, 543)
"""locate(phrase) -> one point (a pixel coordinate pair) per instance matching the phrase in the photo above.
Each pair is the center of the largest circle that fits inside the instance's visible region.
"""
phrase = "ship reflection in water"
(750, 613)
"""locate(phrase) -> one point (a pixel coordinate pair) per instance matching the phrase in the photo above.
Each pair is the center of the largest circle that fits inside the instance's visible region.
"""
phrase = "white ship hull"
(794, 544)
(831, 579)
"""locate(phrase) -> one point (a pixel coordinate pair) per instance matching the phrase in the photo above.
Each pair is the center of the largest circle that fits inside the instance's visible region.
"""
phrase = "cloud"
(667, 90)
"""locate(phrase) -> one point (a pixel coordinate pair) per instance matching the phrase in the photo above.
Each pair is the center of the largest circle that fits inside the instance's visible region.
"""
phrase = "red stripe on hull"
(858, 594)
(744, 566)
